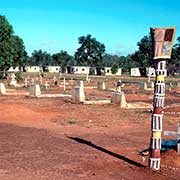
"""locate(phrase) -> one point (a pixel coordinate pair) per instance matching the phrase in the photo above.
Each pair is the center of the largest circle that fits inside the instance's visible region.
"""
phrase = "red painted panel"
(155, 153)
(158, 110)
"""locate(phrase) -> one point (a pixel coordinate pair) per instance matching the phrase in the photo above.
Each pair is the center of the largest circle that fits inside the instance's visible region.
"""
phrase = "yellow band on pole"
(160, 78)
(156, 135)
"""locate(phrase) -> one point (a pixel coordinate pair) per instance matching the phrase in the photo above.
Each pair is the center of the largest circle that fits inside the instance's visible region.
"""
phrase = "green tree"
(110, 60)
(143, 57)
(176, 53)
(19, 52)
(116, 61)
(40, 58)
(6, 30)
(90, 52)
(12, 50)
(114, 69)
(63, 59)
(126, 63)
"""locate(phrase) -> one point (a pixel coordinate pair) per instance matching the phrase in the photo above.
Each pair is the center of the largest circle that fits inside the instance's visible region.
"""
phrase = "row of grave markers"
(78, 94)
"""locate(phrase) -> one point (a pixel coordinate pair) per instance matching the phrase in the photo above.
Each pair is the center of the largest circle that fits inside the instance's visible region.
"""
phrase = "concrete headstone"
(101, 85)
(25, 82)
(13, 81)
(119, 98)
(55, 81)
(2, 89)
(78, 94)
(143, 86)
(35, 90)
(40, 80)
(80, 84)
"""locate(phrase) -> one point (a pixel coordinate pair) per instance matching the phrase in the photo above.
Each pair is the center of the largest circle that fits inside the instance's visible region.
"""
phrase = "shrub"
(114, 69)
(19, 76)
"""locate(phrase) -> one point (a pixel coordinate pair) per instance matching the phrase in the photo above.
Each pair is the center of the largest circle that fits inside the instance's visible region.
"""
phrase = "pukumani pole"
(162, 47)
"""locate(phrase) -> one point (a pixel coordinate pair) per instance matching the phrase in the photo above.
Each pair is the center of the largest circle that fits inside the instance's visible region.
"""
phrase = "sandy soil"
(53, 138)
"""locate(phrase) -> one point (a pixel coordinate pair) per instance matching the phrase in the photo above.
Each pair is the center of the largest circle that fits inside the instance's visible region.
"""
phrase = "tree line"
(91, 52)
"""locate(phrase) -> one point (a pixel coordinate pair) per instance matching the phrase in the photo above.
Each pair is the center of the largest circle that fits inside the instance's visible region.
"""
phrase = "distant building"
(14, 69)
(108, 72)
(119, 72)
(33, 69)
(54, 69)
(135, 72)
(79, 69)
(93, 71)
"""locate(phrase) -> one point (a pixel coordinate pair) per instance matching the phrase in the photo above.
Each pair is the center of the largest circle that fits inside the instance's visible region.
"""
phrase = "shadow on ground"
(118, 156)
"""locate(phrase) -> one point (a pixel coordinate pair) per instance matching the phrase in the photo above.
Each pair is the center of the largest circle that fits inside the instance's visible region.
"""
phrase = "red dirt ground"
(53, 138)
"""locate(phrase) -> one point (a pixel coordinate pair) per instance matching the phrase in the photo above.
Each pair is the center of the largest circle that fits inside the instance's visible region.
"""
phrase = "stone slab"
(107, 101)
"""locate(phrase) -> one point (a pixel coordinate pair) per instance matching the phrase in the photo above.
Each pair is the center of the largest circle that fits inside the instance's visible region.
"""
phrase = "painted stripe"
(160, 78)
(155, 143)
(155, 153)
(158, 110)
(156, 135)
(154, 163)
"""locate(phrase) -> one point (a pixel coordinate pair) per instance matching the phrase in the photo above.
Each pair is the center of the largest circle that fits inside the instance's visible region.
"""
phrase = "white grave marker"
(46, 85)
(34, 90)
(2, 89)
(13, 81)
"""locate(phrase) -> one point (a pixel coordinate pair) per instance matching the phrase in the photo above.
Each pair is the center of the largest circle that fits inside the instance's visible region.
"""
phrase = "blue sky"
(54, 25)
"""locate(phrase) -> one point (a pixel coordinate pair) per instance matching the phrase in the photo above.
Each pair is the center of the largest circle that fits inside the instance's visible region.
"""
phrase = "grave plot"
(78, 95)
(35, 91)
(112, 94)
(38, 87)
(6, 91)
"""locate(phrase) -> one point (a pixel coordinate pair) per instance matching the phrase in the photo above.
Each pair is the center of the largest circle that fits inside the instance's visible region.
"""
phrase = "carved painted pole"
(162, 47)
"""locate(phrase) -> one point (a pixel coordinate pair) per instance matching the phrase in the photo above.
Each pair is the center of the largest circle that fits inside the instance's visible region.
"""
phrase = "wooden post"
(25, 82)
(87, 77)
(32, 81)
(149, 75)
(64, 84)
(40, 80)
(2, 89)
(46, 85)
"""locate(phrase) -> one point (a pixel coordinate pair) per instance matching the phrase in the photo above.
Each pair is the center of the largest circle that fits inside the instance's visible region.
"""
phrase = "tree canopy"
(63, 59)
(90, 52)
(176, 53)
(12, 49)
(143, 57)
(40, 58)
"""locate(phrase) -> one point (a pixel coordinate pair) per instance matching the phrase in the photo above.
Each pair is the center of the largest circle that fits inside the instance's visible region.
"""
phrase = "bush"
(114, 69)
(19, 76)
